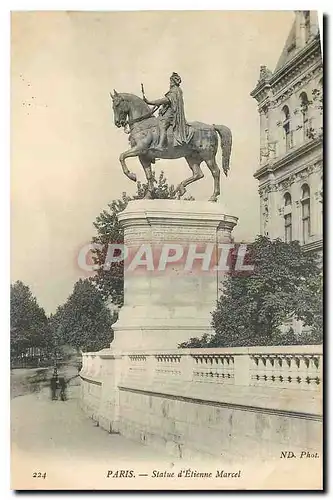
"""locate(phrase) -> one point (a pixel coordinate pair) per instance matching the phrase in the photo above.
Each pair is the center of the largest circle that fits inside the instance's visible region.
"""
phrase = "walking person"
(54, 384)
(62, 387)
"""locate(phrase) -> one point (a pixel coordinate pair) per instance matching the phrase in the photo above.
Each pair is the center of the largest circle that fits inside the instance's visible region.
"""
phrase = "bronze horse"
(130, 110)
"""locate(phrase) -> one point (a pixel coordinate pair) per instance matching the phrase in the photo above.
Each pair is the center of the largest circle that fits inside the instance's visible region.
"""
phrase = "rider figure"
(172, 113)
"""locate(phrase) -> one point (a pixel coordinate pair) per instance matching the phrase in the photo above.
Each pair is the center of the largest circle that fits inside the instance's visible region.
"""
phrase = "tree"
(285, 283)
(28, 321)
(109, 279)
(84, 321)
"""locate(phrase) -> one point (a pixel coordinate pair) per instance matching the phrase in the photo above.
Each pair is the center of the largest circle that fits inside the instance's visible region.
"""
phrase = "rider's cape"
(182, 132)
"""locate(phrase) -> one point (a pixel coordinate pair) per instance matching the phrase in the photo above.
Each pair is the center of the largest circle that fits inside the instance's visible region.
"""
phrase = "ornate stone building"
(291, 151)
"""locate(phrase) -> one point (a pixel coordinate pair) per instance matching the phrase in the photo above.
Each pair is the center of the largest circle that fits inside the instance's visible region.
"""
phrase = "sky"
(65, 147)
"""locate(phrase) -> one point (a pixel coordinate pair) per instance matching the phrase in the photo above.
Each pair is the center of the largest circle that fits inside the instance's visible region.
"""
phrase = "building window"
(287, 218)
(287, 228)
(307, 25)
(265, 218)
(305, 114)
(286, 127)
(306, 223)
(287, 199)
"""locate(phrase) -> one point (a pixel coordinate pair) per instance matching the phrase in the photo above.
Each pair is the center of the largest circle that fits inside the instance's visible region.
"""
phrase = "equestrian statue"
(169, 136)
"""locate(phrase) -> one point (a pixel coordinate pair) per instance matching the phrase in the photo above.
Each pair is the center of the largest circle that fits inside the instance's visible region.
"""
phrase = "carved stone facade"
(291, 152)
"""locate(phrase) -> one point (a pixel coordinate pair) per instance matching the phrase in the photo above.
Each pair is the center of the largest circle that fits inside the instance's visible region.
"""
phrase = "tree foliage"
(286, 282)
(28, 321)
(84, 321)
(109, 279)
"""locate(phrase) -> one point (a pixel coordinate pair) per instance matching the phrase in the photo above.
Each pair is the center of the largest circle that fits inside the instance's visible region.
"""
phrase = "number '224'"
(40, 475)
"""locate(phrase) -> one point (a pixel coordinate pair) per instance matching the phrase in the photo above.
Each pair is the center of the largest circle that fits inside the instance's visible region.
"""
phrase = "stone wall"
(208, 403)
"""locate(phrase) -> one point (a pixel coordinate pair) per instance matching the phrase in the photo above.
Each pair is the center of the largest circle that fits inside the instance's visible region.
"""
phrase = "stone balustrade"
(213, 368)
(201, 402)
(302, 371)
(288, 367)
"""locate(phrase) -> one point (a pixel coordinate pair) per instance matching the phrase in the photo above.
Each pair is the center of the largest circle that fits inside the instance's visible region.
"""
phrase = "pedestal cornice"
(175, 212)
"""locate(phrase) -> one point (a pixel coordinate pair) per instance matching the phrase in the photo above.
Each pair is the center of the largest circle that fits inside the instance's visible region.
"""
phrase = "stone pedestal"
(171, 286)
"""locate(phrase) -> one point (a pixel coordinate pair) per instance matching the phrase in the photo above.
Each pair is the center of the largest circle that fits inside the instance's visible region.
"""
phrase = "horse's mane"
(137, 101)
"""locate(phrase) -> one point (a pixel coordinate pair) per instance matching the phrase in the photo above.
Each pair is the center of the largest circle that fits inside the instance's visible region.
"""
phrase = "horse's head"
(120, 109)
(127, 107)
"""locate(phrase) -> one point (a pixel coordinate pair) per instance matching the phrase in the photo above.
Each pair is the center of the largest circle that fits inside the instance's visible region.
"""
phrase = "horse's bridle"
(144, 117)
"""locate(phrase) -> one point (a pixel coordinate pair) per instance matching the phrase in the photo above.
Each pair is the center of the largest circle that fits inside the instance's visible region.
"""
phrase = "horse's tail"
(226, 143)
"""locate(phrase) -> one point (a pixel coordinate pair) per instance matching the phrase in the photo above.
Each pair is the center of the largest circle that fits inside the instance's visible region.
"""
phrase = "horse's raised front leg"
(146, 163)
(135, 151)
(194, 164)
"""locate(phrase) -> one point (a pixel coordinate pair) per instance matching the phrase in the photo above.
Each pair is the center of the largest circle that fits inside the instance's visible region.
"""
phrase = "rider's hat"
(176, 78)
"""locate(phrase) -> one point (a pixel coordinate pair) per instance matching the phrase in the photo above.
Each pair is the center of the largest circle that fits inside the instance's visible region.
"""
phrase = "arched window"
(286, 127)
(287, 218)
(306, 222)
(305, 113)
(287, 199)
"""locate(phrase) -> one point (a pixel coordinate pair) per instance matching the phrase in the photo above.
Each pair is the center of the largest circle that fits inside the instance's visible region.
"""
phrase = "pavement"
(56, 438)
(54, 446)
